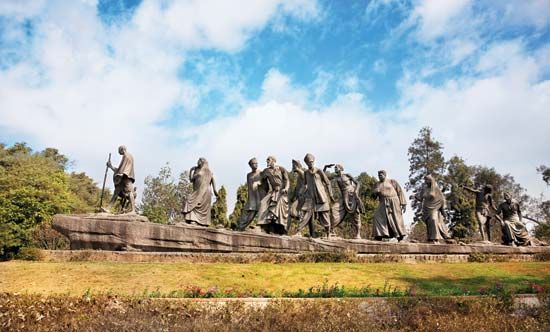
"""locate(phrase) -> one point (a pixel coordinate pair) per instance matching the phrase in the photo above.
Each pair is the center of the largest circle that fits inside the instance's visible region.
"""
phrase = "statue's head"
(309, 159)
(122, 149)
(271, 161)
(202, 162)
(296, 165)
(508, 197)
(253, 163)
(338, 169)
(382, 175)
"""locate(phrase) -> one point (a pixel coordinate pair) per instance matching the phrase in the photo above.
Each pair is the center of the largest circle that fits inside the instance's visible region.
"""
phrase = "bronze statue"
(349, 202)
(196, 206)
(433, 211)
(299, 197)
(123, 179)
(484, 204)
(318, 196)
(255, 195)
(273, 212)
(388, 218)
(514, 232)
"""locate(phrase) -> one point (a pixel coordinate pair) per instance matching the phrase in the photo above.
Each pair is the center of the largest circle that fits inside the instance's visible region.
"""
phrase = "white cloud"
(436, 16)
(497, 119)
(278, 87)
(86, 88)
(524, 12)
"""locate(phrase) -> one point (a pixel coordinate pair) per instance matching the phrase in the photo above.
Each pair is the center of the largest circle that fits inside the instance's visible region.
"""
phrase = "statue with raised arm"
(273, 213)
(433, 211)
(484, 204)
(317, 197)
(349, 202)
(255, 195)
(197, 205)
(514, 232)
(388, 218)
(123, 179)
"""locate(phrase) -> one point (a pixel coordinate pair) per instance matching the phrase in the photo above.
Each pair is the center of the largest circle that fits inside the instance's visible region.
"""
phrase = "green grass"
(76, 278)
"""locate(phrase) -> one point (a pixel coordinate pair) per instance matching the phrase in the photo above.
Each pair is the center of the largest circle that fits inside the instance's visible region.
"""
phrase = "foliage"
(425, 158)
(460, 203)
(242, 197)
(366, 187)
(44, 236)
(501, 183)
(545, 171)
(219, 210)
(163, 196)
(34, 187)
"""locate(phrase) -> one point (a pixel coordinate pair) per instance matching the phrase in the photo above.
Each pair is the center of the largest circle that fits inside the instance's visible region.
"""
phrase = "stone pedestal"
(135, 233)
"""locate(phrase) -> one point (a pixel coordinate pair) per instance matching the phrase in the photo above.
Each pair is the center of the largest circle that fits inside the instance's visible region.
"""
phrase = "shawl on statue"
(432, 197)
(126, 167)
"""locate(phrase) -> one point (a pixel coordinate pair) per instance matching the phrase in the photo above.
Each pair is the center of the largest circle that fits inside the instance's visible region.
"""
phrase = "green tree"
(425, 158)
(242, 197)
(545, 171)
(219, 210)
(460, 202)
(33, 187)
(163, 196)
(501, 183)
(366, 186)
(86, 189)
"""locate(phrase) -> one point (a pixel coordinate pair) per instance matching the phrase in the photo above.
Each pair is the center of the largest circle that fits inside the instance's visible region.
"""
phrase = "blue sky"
(350, 81)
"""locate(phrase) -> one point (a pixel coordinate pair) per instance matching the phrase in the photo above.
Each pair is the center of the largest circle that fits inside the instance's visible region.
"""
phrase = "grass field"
(76, 278)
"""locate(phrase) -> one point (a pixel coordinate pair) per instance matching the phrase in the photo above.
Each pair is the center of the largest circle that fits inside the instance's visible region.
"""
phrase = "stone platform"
(135, 233)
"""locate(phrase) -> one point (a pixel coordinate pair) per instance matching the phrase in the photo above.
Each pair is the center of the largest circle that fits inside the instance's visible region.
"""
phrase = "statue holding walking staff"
(123, 179)
(197, 205)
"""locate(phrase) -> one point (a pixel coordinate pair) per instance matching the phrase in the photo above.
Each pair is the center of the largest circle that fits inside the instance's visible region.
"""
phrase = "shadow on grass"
(477, 285)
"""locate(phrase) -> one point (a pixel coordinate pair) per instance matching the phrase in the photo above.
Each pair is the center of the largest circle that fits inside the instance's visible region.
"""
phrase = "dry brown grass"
(36, 313)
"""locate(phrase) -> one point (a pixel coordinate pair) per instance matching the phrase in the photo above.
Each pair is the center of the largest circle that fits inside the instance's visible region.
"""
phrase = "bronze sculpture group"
(313, 201)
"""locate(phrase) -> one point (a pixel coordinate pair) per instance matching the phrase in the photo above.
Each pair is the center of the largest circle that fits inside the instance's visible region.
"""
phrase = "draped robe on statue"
(433, 203)
(124, 177)
(513, 230)
(273, 213)
(388, 218)
(196, 206)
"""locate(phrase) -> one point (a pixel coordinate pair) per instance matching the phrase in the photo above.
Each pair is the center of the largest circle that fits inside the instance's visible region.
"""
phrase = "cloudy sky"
(349, 81)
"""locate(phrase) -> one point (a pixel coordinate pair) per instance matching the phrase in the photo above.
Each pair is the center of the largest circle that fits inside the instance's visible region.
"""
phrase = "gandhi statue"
(123, 179)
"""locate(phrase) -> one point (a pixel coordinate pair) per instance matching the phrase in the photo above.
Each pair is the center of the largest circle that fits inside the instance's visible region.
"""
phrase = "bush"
(29, 254)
